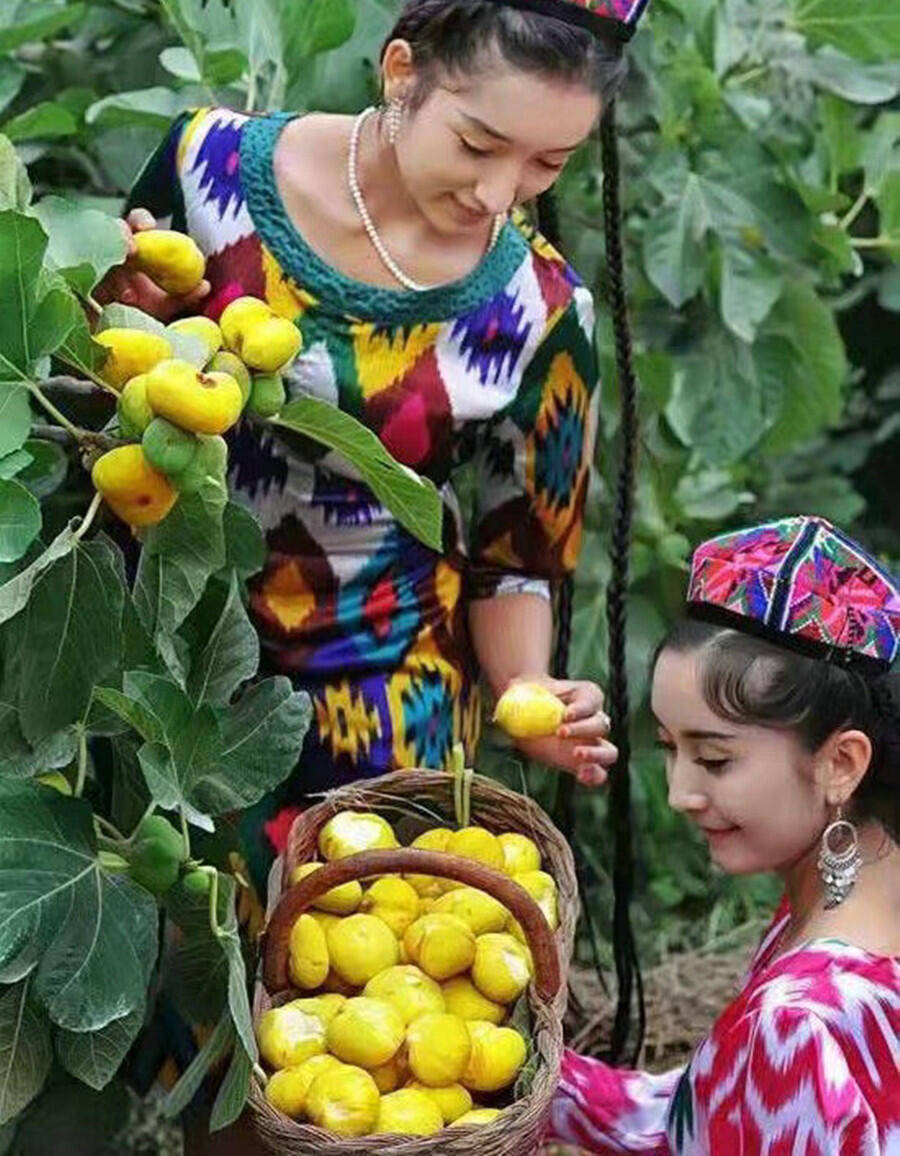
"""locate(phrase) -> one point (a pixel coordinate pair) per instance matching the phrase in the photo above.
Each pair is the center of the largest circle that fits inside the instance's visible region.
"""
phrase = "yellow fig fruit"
(393, 901)
(441, 945)
(409, 989)
(349, 832)
(205, 403)
(453, 1100)
(519, 853)
(438, 1048)
(344, 1100)
(528, 710)
(477, 1116)
(324, 919)
(408, 1113)
(360, 946)
(132, 488)
(287, 1036)
(170, 259)
(308, 960)
(462, 998)
(133, 409)
(237, 315)
(269, 345)
(476, 843)
(325, 1006)
(230, 363)
(390, 1076)
(287, 1088)
(367, 1032)
(435, 839)
(203, 329)
(481, 911)
(542, 889)
(131, 353)
(496, 1057)
(502, 967)
(341, 900)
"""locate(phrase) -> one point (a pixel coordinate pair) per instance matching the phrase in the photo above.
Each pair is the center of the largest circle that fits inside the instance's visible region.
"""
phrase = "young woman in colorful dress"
(779, 719)
(430, 311)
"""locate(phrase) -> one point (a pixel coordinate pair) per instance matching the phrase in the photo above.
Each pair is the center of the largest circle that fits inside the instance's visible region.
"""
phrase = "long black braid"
(628, 971)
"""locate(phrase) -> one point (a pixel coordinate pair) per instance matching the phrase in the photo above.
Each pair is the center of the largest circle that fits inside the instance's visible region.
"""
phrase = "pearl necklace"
(369, 225)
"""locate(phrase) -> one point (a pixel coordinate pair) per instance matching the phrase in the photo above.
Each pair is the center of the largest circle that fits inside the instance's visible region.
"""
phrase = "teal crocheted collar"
(334, 289)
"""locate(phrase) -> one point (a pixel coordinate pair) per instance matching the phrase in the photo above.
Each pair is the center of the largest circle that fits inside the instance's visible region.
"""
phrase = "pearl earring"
(839, 868)
(394, 117)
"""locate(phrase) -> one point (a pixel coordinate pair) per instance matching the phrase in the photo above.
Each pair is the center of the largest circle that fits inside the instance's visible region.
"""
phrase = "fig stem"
(82, 763)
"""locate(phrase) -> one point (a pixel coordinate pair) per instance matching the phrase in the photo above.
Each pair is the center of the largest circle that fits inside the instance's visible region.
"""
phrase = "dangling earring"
(394, 116)
(839, 868)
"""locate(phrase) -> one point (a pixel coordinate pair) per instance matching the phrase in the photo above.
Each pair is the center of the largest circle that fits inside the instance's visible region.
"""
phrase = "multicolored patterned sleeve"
(158, 186)
(613, 1110)
(535, 461)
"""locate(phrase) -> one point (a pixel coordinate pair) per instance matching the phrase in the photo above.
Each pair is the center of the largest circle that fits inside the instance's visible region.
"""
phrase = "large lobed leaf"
(36, 317)
(91, 935)
(204, 761)
(84, 243)
(413, 500)
(72, 637)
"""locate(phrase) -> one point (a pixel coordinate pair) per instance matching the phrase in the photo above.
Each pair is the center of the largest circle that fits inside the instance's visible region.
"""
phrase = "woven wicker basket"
(401, 797)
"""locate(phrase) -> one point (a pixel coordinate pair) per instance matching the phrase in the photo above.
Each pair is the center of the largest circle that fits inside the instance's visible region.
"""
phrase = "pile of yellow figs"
(411, 980)
(174, 411)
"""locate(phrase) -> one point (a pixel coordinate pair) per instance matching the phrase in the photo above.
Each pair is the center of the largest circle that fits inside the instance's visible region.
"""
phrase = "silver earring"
(394, 117)
(839, 867)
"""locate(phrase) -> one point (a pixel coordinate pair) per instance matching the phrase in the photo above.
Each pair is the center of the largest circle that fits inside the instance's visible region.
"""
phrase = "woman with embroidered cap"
(432, 313)
(778, 714)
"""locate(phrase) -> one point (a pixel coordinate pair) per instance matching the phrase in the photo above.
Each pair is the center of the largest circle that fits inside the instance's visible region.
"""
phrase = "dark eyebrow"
(707, 735)
(486, 128)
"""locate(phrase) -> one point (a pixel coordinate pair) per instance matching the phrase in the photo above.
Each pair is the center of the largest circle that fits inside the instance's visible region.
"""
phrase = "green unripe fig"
(57, 780)
(196, 883)
(267, 395)
(156, 855)
(133, 408)
(225, 362)
(168, 448)
(210, 461)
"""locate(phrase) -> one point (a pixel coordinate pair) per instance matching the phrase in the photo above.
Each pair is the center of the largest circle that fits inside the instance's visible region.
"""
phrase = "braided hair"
(455, 35)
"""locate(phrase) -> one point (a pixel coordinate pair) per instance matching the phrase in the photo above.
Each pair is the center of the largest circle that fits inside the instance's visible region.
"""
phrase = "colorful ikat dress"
(497, 370)
(804, 1062)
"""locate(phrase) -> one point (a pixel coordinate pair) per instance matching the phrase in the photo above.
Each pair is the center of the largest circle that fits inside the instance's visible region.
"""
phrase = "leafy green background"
(760, 148)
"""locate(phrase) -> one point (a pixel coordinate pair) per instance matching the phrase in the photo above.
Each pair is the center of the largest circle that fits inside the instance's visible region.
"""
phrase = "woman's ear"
(847, 755)
(397, 72)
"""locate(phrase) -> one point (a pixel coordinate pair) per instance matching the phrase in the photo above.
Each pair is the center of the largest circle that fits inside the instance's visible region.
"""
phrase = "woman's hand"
(129, 287)
(579, 745)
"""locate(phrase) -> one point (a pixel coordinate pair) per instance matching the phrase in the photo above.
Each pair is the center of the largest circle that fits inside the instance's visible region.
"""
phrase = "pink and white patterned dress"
(804, 1062)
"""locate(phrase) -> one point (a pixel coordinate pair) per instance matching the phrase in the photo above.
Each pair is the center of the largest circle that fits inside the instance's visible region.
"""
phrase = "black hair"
(746, 679)
(462, 36)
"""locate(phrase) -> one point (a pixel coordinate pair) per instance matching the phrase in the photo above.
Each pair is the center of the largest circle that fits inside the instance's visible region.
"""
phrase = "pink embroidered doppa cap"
(802, 583)
(613, 18)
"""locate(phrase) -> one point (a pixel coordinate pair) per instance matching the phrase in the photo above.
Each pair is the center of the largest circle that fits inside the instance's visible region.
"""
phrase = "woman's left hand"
(579, 745)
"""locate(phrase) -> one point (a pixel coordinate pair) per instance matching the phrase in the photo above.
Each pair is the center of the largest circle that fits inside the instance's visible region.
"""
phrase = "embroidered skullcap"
(612, 18)
(804, 584)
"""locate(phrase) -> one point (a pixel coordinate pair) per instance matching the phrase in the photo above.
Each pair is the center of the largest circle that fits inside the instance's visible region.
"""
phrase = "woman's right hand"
(128, 286)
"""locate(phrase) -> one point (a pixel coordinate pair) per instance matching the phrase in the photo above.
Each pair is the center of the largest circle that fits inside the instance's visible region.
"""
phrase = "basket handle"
(541, 940)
